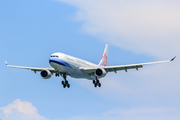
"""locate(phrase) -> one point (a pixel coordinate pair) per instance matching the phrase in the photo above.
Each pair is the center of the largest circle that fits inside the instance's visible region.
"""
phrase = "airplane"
(66, 65)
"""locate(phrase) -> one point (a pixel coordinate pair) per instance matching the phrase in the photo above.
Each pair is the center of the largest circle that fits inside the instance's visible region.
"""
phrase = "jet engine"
(100, 72)
(46, 74)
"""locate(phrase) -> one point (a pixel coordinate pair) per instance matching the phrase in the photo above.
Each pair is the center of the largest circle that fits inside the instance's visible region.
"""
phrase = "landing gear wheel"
(96, 83)
(99, 84)
(64, 85)
(68, 85)
(65, 82)
(57, 74)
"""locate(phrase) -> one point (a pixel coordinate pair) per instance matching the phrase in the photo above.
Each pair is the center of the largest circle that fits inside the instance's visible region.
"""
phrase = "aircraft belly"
(75, 73)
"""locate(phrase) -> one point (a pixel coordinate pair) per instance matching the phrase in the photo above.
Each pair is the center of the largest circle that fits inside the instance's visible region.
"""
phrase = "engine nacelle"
(100, 72)
(46, 74)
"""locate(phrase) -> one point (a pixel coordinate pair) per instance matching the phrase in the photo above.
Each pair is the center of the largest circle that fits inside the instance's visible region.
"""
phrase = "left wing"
(120, 67)
(52, 70)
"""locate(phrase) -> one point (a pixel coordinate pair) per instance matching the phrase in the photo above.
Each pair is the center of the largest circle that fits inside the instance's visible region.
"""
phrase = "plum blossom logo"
(105, 59)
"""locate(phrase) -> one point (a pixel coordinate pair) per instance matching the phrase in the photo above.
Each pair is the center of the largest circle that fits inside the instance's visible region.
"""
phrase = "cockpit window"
(54, 56)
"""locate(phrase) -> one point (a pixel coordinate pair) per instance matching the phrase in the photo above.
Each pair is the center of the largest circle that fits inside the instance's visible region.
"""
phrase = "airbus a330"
(65, 65)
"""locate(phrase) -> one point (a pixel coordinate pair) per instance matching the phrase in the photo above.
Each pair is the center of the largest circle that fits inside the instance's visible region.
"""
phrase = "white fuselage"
(70, 65)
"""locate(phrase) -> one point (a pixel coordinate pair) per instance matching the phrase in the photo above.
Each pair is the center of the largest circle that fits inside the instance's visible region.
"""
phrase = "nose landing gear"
(57, 72)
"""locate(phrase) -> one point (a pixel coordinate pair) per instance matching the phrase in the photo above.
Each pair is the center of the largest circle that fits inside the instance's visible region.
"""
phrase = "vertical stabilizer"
(103, 61)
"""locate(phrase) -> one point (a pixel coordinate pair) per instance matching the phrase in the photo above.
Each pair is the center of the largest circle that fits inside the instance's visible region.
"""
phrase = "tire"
(68, 85)
(99, 84)
(95, 85)
(64, 85)
(94, 82)
(62, 82)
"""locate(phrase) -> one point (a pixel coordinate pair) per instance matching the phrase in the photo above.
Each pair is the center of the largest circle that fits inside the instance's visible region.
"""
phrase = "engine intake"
(45, 74)
(100, 72)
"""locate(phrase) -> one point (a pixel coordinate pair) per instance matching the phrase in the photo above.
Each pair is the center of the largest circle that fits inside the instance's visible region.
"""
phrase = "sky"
(137, 31)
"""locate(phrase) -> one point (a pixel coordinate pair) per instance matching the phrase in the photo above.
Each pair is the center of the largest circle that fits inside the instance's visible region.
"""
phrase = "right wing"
(120, 67)
(52, 70)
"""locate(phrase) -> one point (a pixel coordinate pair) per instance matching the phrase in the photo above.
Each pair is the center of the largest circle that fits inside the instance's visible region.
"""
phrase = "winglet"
(6, 63)
(173, 58)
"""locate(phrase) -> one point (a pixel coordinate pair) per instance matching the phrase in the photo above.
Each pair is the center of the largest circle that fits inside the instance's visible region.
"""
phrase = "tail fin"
(103, 61)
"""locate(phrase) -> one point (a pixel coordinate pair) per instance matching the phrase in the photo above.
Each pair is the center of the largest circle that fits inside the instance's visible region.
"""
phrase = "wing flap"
(120, 67)
(52, 70)
(111, 68)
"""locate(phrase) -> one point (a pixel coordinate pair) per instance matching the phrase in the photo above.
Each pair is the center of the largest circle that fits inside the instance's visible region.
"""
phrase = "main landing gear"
(96, 83)
(65, 82)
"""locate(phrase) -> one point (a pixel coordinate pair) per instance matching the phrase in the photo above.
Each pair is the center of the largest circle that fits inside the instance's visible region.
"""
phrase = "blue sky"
(31, 30)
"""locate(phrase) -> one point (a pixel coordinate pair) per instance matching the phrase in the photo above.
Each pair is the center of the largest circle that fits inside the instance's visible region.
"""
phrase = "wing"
(52, 70)
(121, 67)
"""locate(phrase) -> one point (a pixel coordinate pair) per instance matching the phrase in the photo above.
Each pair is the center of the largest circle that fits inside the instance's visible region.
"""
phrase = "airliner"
(66, 65)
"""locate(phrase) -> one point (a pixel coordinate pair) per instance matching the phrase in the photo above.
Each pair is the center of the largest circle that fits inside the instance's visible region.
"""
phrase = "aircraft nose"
(50, 60)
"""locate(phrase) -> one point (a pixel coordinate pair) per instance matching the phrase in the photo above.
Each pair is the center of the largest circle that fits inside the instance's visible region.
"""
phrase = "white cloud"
(157, 113)
(19, 110)
(26, 111)
(144, 113)
(148, 27)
